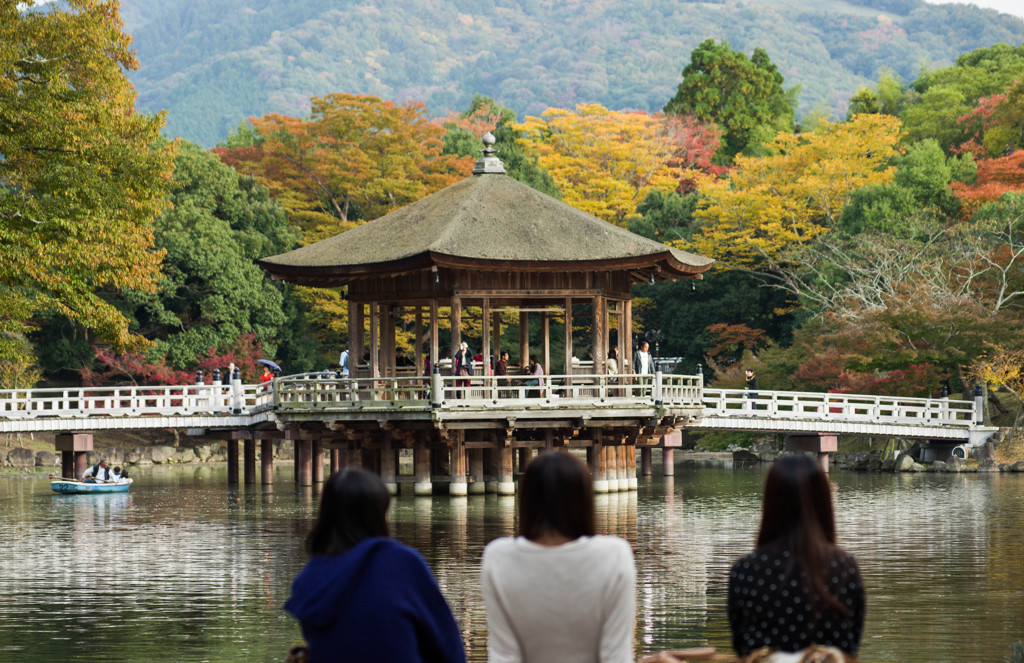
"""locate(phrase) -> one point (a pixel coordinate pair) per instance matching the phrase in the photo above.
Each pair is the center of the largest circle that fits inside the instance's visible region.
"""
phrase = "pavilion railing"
(848, 408)
(315, 391)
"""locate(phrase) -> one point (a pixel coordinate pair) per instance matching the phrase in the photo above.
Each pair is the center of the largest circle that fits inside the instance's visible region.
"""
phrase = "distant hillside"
(213, 64)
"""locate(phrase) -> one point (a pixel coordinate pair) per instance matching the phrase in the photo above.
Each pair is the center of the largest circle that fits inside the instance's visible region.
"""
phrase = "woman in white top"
(557, 592)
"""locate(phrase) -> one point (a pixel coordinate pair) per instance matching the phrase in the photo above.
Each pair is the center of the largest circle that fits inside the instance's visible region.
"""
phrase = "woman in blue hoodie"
(363, 596)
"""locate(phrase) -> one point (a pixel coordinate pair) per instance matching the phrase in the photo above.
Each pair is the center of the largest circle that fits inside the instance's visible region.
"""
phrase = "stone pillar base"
(392, 488)
(477, 488)
(491, 487)
(601, 486)
(633, 484)
(458, 488)
(506, 487)
(423, 488)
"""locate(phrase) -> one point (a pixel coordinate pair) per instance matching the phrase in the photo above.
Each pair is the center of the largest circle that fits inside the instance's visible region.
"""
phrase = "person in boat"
(797, 588)
(364, 596)
(558, 592)
(99, 472)
(121, 476)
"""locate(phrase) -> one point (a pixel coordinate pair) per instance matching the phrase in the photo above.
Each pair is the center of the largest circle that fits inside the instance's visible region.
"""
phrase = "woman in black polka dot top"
(797, 588)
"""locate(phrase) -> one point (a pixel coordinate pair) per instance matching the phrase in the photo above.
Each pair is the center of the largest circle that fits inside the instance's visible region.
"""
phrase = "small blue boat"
(73, 487)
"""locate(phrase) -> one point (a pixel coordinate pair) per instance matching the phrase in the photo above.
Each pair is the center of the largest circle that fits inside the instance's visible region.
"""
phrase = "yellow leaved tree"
(605, 162)
(769, 204)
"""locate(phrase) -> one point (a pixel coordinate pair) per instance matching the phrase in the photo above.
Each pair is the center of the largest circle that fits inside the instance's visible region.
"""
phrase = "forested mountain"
(214, 64)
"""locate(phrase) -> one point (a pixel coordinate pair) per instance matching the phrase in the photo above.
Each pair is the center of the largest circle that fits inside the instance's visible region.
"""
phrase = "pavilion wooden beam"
(485, 333)
(456, 318)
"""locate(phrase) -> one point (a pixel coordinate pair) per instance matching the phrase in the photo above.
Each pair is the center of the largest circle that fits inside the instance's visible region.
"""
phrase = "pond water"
(184, 568)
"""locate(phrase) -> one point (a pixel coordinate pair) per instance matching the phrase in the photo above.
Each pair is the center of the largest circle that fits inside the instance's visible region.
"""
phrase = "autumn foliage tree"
(356, 158)
(995, 178)
(770, 204)
(606, 162)
(81, 173)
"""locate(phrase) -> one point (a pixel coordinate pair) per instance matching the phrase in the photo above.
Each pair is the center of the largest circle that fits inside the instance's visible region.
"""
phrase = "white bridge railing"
(321, 392)
(847, 408)
(143, 401)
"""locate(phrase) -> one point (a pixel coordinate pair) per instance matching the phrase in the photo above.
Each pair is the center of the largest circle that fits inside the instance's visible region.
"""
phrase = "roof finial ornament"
(488, 163)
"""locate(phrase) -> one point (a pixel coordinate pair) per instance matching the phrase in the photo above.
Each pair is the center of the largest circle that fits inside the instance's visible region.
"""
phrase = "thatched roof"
(488, 222)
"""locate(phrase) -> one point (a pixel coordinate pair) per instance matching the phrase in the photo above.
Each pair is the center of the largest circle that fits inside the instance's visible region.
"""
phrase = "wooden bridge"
(476, 421)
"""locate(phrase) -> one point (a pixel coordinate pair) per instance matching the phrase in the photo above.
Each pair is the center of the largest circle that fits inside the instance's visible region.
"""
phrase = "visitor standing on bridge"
(462, 364)
(750, 385)
(343, 362)
(559, 593)
(642, 362)
(364, 596)
(798, 588)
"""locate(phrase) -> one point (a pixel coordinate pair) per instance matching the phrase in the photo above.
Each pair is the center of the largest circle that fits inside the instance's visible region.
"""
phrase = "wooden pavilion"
(486, 246)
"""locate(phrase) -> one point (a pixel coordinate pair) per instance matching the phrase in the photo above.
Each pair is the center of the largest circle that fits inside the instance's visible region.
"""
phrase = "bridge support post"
(304, 462)
(267, 462)
(614, 453)
(631, 482)
(599, 466)
(318, 461)
(506, 483)
(232, 461)
(646, 461)
(389, 468)
(668, 462)
(336, 464)
(477, 486)
(73, 448)
(822, 444)
(523, 454)
(249, 456)
(458, 466)
(421, 468)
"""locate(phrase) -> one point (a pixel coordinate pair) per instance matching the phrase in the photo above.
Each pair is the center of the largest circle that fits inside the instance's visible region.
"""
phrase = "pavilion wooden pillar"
(337, 460)
(606, 339)
(267, 461)
(496, 332)
(374, 340)
(668, 462)
(485, 337)
(568, 336)
(355, 336)
(232, 461)
(597, 339)
(388, 354)
(433, 334)
(524, 339)
(626, 342)
(545, 332)
(624, 333)
(456, 319)
(419, 341)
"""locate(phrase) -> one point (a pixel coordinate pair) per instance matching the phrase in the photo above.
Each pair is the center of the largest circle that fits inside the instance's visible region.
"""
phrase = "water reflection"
(187, 569)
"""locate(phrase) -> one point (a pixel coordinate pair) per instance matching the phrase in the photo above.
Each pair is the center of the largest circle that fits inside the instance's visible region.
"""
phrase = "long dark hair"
(352, 508)
(556, 494)
(797, 516)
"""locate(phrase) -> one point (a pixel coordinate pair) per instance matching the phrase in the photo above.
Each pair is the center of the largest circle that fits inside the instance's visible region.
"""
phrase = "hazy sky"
(1015, 7)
